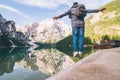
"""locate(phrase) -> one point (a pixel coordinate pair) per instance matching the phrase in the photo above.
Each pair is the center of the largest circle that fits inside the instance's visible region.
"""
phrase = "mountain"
(102, 25)
(47, 31)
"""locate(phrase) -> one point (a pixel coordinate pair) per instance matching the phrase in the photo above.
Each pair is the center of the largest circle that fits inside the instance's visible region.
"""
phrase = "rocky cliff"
(48, 31)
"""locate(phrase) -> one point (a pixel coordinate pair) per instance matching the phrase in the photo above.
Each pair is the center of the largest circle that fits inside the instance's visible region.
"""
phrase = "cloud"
(50, 4)
(91, 3)
(43, 3)
(13, 10)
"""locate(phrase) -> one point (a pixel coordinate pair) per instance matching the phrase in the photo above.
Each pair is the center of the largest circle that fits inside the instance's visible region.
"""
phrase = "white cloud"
(13, 10)
(92, 3)
(55, 3)
(43, 3)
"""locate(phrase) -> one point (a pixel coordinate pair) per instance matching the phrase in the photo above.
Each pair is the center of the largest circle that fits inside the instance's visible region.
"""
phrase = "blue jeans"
(78, 38)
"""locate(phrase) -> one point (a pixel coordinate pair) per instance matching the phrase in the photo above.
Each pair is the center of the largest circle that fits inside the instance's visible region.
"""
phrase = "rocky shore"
(102, 65)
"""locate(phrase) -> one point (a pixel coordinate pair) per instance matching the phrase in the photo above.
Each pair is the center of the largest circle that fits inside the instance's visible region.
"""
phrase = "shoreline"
(102, 65)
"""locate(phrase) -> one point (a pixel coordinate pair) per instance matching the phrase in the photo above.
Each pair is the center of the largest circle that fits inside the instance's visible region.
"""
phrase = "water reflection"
(8, 57)
(69, 51)
(23, 63)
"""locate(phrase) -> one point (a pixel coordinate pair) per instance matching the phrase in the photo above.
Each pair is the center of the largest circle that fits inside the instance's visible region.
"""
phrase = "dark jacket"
(75, 21)
(2, 20)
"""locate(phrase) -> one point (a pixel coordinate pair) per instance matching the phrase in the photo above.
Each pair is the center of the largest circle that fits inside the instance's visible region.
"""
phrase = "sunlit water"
(22, 63)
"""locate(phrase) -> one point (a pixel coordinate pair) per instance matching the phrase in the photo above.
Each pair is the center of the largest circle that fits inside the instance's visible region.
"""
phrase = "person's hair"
(75, 3)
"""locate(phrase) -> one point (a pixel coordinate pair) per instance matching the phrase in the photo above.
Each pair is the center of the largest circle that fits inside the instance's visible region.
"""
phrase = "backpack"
(79, 10)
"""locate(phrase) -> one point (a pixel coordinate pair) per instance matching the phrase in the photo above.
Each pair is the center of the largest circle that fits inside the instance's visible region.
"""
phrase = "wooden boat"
(105, 44)
(102, 46)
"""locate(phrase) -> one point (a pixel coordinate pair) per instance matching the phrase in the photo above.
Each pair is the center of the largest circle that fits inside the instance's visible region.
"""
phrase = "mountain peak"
(49, 30)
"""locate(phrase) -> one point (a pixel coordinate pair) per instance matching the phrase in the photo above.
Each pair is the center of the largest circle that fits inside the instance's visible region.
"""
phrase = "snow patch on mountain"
(47, 31)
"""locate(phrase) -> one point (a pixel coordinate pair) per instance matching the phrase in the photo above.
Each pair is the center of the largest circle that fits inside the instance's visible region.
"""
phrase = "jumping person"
(77, 13)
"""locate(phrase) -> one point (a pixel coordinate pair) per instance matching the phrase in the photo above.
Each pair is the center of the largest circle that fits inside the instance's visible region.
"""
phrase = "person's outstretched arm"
(62, 15)
(94, 10)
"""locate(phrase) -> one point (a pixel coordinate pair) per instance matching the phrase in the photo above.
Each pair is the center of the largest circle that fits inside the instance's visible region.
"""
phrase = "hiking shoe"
(80, 54)
(75, 53)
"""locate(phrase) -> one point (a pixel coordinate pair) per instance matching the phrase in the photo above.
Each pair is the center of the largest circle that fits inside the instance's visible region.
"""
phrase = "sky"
(28, 11)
